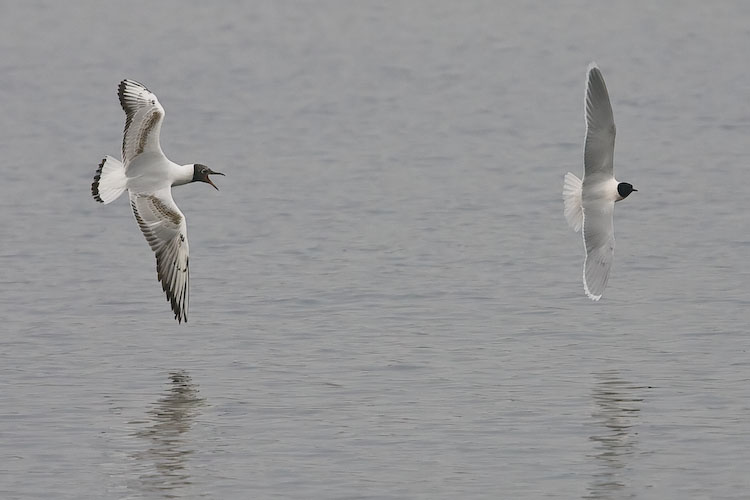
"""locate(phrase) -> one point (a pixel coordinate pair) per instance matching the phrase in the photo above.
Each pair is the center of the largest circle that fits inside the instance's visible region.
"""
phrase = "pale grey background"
(386, 300)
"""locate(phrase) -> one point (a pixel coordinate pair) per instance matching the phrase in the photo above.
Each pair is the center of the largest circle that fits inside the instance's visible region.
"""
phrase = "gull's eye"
(204, 170)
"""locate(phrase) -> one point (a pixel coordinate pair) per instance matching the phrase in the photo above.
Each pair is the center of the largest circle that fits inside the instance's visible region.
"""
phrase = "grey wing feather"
(599, 239)
(164, 227)
(600, 127)
(143, 118)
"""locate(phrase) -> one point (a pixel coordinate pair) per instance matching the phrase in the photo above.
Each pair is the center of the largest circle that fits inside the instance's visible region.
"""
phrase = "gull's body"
(148, 176)
(590, 204)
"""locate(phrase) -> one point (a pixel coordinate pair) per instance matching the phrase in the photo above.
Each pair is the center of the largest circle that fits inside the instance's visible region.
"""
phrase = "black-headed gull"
(149, 176)
(590, 204)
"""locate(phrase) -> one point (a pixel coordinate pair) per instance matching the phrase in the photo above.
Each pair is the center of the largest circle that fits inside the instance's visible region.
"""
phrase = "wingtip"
(179, 314)
(592, 65)
(590, 295)
(586, 290)
(179, 310)
(127, 82)
(595, 298)
(121, 87)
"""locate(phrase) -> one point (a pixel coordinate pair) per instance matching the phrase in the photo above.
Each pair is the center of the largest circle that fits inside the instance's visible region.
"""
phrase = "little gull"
(590, 204)
(149, 176)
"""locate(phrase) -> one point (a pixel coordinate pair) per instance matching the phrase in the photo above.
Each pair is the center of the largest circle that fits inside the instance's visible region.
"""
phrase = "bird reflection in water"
(164, 460)
(617, 407)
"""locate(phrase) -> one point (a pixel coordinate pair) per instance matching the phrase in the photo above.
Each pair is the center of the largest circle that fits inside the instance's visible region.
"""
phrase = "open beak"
(210, 181)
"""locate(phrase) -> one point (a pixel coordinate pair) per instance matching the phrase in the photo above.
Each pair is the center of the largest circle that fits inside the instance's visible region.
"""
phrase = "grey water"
(386, 301)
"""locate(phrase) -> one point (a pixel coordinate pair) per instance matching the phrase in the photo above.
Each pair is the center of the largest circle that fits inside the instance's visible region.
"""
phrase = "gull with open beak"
(148, 176)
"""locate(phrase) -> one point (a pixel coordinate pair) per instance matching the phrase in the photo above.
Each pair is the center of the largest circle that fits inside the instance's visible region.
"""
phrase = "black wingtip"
(121, 92)
(124, 85)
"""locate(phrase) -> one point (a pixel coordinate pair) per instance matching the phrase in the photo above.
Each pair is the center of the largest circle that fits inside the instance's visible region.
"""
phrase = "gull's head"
(624, 189)
(201, 173)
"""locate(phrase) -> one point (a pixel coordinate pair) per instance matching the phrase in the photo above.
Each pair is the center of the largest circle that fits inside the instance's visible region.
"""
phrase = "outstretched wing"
(599, 147)
(143, 118)
(599, 240)
(164, 227)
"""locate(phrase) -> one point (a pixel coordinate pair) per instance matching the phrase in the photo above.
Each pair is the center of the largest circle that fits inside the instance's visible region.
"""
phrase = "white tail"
(573, 204)
(110, 180)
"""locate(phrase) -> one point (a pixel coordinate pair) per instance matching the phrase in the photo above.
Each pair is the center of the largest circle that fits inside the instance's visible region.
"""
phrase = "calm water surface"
(386, 300)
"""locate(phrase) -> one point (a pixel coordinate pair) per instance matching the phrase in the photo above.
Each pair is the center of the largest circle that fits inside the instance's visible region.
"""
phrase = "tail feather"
(110, 180)
(572, 188)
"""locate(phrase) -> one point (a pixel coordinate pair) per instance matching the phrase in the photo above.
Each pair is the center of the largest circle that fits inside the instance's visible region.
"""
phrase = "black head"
(201, 173)
(624, 189)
